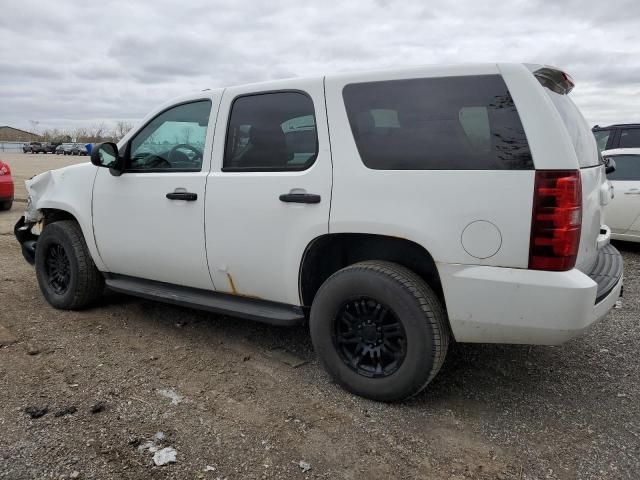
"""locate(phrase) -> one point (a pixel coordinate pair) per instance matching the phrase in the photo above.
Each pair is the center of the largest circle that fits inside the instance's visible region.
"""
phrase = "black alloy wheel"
(369, 337)
(58, 269)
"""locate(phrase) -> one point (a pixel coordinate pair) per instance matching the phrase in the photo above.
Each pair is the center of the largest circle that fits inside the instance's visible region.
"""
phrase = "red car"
(6, 187)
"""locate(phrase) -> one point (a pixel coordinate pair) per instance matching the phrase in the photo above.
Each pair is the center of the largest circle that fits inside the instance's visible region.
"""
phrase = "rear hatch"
(557, 86)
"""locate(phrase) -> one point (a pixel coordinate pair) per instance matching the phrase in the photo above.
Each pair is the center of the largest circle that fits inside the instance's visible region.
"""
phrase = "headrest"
(272, 135)
(365, 122)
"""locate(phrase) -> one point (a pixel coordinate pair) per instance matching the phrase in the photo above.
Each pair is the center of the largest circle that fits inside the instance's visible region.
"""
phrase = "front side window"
(627, 168)
(448, 123)
(174, 140)
(602, 137)
(271, 131)
(630, 138)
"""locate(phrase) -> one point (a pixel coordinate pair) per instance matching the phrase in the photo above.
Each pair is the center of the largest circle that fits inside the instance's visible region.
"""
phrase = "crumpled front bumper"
(27, 239)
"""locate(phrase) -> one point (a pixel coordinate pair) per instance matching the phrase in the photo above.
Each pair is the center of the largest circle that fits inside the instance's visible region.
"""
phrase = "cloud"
(77, 62)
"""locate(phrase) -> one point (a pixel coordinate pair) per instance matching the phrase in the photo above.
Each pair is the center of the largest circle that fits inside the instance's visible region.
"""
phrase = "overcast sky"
(68, 63)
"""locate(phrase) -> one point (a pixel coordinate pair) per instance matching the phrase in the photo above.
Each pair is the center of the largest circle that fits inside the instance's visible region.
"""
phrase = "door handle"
(188, 196)
(633, 191)
(300, 198)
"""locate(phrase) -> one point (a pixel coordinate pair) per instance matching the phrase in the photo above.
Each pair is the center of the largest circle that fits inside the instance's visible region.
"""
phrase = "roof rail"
(615, 125)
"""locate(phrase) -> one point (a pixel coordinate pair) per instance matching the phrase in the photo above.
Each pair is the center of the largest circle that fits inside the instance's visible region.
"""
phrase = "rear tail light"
(556, 220)
(4, 169)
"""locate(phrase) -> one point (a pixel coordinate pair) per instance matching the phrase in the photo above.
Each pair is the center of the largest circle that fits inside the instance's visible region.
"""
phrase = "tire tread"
(90, 282)
(428, 303)
(433, 311)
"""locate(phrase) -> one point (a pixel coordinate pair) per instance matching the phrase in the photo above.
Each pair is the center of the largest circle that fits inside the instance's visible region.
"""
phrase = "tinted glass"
(271, 131)
(450, 123)
(174, 140)
(630, 138)
(627, 168)
(602, 137)
(578, 129)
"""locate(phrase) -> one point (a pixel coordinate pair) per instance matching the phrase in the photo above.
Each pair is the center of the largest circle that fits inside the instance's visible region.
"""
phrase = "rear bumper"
(507, 305)
(6, 188)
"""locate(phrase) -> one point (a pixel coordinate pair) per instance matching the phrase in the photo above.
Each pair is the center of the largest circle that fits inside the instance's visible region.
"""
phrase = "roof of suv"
(402, 72)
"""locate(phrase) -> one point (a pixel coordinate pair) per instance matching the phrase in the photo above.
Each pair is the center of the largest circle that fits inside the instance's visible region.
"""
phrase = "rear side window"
(577, 127)
(602, 137)
(446, 123)
(271, 131)
(629, 138)
(627, 168)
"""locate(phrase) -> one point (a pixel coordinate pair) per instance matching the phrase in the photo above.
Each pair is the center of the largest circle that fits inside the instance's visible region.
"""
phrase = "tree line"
(97, 133)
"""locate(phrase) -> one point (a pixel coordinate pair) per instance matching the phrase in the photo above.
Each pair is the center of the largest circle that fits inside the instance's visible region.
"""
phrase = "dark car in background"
(79, 149)
(65, 148)
(620, 135)
(28, 147)
(40, 147)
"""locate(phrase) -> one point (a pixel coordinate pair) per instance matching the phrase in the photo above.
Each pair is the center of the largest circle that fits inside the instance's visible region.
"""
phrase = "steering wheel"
(174, 150)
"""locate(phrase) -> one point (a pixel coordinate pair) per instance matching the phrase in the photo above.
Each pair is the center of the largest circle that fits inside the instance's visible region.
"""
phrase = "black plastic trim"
(264, 311)
(27, 239)
(186, 196)
(300, 198)
(606, 271)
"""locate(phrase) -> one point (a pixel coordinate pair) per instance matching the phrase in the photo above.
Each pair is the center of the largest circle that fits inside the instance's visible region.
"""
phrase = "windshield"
(602, 137)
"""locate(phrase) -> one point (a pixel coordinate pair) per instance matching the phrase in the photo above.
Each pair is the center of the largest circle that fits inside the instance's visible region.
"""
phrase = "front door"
(149, 221)
(269, 191)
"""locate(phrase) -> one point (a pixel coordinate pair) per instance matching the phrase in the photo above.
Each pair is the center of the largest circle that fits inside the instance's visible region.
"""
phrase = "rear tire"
(67, 276)
(6, 205)
(379, 330)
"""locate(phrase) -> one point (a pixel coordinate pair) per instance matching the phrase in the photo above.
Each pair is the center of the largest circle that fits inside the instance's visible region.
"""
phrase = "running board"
(222, 303)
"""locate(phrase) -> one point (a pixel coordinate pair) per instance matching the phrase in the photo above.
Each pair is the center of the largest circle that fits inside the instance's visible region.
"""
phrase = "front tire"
(6, 205)
(379, 330)
(67, 276)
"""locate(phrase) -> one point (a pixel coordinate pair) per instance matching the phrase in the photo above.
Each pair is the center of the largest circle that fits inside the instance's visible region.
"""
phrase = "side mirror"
(609, 165)
(106, 155)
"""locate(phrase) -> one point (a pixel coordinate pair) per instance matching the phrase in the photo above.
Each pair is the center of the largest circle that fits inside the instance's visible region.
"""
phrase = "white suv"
(395, 211)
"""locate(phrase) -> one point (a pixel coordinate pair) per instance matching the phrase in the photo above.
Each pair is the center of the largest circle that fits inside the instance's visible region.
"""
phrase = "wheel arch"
(329, 253)
(51, 215)
(54, 212)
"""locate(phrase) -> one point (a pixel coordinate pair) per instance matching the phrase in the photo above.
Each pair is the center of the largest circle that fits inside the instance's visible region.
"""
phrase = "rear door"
(624, 209)
(269, 191)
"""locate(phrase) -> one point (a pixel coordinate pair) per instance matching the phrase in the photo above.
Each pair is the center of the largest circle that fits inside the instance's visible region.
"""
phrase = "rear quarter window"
(629, 138)
(582, 138)
(446, 123)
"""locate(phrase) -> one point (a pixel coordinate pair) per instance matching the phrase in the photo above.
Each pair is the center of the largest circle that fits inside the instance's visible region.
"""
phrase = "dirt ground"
(229, 396)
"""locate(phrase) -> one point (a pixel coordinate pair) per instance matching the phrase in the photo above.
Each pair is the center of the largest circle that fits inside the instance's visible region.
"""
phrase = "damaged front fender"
(65, 193)
(23, 230)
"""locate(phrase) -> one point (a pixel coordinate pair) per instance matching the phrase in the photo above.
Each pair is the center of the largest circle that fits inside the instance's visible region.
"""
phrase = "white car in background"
(623, 212)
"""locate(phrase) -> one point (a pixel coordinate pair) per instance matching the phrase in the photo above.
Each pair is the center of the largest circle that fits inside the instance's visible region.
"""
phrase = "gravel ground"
(227, 398)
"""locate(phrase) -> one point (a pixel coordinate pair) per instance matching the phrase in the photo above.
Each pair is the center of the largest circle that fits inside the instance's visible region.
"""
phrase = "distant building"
(9, 134)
